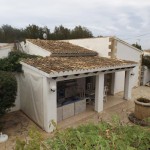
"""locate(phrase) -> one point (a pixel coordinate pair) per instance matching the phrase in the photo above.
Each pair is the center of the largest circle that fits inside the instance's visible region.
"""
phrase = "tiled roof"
(147, 51)
(61, 64)
(60, 48)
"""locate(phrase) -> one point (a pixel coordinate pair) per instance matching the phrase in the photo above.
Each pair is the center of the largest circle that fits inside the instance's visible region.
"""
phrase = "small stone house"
(60, 84)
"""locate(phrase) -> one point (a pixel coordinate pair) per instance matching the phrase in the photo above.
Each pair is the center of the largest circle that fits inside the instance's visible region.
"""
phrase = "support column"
(113, 81)
(128, 85)
(99, 92)
(51, 105)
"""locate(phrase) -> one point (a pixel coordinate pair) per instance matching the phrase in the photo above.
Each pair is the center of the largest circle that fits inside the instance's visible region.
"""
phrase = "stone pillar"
(113, 81)
(50, 104)
(128, 85)
(99, 92)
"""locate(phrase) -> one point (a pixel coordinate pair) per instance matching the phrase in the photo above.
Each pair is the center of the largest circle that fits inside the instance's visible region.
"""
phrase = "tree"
(32, 32)
(8, 91)
(61, 33)
(9, 34)
(81, 32)
(146, 61)
(137, 46)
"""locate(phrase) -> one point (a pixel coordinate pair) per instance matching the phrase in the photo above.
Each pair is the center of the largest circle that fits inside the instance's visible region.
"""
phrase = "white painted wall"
(50, 104)
(48, 107)
(33, 49)
(100, 45)
(126, 52)
(146, 76)
(31, 95)
(4, 51)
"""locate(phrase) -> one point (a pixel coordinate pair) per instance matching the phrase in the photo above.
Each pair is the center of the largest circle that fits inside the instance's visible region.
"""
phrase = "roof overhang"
(64, 74)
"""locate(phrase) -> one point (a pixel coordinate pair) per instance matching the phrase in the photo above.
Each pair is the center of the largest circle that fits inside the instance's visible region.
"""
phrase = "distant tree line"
(137, 46)
(10, 34)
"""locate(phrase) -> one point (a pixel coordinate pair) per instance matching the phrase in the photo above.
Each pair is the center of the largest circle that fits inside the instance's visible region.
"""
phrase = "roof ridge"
(60, 47)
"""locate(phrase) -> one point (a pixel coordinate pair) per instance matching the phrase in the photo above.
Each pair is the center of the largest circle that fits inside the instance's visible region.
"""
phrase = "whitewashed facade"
(38, 90)
(113, 47)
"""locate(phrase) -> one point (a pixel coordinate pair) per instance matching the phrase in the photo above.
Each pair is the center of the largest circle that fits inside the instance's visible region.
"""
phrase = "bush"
(8, 91)
(11, 63)
(34, 142)
(146, 61)
(102, 136)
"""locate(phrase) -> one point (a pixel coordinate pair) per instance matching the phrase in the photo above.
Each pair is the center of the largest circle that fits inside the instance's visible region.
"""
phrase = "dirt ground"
(17, 124)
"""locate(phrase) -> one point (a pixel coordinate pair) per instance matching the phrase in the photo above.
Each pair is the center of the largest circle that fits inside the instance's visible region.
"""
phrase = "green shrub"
(11, 63)
(102, 136)
(146, 61)
(34, 142)
(8, 91)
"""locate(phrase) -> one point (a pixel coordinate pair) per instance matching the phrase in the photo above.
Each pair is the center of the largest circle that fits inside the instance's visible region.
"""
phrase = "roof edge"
(122, 41)
(65, 73)
(35, 69)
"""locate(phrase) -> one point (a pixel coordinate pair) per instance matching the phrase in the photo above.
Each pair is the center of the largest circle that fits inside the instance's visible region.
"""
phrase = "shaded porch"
(90, 114)
(89, 94)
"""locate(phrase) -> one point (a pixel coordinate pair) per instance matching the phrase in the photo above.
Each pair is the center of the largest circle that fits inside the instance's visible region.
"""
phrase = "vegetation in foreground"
(101, 136)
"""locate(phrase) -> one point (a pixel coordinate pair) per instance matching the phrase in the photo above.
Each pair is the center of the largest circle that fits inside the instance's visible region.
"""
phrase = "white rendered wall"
(127, 53)
(49, 101)
(4, 52)
(100, 45)
(50, 104)
(31, 95)
(99, 92)
(146, 77)
(35, 50)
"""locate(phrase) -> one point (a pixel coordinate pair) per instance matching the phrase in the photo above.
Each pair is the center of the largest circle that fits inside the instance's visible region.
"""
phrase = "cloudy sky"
(126, 19)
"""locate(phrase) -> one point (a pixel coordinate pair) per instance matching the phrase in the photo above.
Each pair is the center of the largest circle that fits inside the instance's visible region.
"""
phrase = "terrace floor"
(17, 124)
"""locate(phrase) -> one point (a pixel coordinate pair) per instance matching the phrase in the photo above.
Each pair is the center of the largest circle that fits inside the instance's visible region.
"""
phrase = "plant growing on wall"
(12, 62)
(8, 91)
(146, 61)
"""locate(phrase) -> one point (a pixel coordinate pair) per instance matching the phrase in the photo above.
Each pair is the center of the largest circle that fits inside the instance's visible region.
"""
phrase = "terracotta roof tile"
(60, 48)
(58, 64)
(148, 51)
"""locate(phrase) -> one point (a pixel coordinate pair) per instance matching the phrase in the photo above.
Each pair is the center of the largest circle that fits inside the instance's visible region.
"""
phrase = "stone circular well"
(142, 108)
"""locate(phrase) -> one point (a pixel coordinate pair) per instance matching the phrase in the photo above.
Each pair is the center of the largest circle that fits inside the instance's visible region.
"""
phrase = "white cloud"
(124, 18)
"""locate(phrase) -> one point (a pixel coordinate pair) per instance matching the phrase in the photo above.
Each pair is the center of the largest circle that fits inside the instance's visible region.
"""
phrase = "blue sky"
(126, 19)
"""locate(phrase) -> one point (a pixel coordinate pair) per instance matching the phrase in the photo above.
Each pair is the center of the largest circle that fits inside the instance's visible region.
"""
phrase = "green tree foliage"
(9, 34)
(12, 62)
(137, 46)
(61, 33)
(34, 32)
(80, 32)
(146, 61)
(8, 91)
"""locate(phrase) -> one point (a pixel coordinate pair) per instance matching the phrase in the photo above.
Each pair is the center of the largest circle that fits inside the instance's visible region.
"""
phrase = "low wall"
(4, 52)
